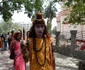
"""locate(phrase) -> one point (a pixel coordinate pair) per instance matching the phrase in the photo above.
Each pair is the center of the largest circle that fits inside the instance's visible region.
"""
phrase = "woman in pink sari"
(19, 63)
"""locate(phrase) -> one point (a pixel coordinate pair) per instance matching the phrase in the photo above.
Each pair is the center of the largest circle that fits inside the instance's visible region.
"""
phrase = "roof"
(63, 13)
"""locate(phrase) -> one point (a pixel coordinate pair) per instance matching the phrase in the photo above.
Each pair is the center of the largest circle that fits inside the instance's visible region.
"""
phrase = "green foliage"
(7, 7)
(28, 5)
(8, 26)
(77, 15)
(38, 5)
(50, 13)
(31, 7)
(5, 11)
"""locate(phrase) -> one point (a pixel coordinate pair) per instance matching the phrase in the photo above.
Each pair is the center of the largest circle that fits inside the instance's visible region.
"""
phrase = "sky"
(23, 19)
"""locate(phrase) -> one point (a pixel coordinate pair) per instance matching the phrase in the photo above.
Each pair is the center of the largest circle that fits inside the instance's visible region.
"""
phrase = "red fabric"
(19, 63)
(80, 40)
(82, 47)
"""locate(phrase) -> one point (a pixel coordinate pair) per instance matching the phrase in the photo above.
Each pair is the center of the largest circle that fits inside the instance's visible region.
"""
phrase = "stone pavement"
(65, 63)
(62, 62)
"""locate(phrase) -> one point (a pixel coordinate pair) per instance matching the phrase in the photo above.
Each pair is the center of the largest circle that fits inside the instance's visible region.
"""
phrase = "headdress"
(39, 19)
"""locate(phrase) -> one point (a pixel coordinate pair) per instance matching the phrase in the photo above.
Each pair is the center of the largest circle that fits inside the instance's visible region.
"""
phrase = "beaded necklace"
(35, 50)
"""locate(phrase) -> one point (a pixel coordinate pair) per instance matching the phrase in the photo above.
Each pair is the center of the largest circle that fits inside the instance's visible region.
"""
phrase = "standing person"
(40, 46)
(11, 38)
(8, 38)
(19, 63)
(5, 43)
(2, 41)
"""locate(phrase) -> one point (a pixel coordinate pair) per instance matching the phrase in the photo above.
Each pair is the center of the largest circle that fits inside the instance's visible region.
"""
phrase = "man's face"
(39, 29)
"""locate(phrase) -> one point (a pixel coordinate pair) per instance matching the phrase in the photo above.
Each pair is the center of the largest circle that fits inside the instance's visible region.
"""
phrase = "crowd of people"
(38, 43)
(5, 40)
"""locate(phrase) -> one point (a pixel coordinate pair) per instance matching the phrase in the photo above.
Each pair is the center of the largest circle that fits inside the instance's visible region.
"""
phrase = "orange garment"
(2, 43)
(34, 65)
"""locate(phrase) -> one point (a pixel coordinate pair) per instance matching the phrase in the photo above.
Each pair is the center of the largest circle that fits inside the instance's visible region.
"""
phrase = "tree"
(8, 7)
(8, 26)
(77, 15)
(50, 13)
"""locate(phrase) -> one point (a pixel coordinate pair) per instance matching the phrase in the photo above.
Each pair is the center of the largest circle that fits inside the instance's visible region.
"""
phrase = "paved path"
(65, 63)
(62, 62)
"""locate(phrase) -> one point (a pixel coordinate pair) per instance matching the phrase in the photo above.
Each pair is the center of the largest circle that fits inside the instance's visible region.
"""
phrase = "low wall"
(63, 50)
(79, 54)
(66, 51)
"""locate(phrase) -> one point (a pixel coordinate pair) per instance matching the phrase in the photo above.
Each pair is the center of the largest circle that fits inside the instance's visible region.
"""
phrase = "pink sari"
(19, 63)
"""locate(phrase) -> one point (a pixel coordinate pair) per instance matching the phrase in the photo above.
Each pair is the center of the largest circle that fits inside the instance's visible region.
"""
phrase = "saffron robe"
(34, 65)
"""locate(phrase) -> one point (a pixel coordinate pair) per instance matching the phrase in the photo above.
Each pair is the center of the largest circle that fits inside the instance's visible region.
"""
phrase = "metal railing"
(80, 35)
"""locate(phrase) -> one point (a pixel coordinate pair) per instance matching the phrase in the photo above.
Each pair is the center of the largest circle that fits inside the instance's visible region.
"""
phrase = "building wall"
(67, 27)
